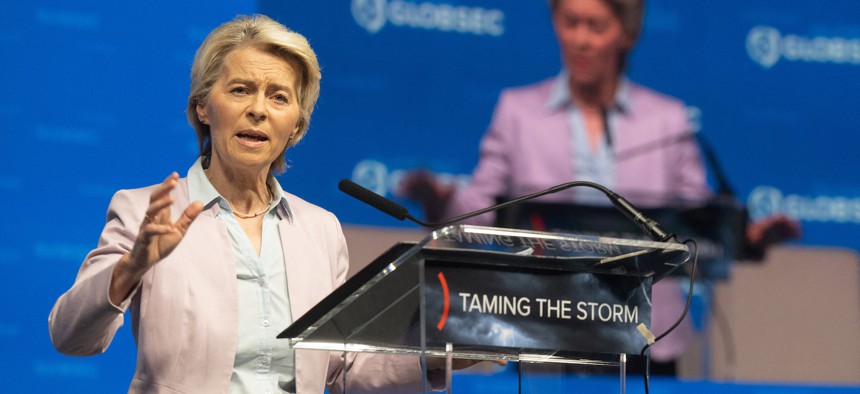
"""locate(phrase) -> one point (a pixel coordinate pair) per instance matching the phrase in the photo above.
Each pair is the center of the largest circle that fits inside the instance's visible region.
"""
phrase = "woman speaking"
(213, 265)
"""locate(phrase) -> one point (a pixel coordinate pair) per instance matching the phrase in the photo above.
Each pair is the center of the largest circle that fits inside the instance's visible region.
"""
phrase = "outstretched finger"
(157, 210)
(144, 236)
(188, 216)
(165, 187)
(152, 229)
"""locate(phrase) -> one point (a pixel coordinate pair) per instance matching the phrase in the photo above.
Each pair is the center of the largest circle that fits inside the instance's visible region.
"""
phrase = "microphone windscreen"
(375, 200)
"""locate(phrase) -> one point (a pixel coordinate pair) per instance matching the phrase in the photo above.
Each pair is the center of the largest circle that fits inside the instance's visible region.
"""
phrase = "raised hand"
(423, 187)
(773, 229)
(158, 236)
(763, 233)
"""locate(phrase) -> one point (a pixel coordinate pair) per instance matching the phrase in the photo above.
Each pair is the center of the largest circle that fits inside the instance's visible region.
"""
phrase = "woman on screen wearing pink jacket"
(571, 127)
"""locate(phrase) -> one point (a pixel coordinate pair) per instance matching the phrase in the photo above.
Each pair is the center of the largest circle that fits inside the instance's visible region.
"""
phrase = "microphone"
(724, 187)
(657, 144)
(375, 200)
(399, 212)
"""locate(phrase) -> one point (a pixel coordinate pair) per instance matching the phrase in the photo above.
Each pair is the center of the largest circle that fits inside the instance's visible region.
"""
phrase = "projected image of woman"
(572, 126)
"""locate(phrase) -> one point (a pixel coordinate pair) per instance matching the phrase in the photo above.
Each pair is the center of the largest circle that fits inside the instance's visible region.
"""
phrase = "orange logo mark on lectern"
(447, 302)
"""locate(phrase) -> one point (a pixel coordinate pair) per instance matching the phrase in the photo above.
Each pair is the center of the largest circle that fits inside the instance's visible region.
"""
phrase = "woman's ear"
(201, 113)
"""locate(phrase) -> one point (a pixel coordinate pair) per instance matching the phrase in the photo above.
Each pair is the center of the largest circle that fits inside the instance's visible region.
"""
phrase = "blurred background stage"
(93, 95)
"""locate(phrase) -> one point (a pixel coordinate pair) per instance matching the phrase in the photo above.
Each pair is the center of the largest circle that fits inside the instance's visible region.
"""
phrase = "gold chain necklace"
(241, 215)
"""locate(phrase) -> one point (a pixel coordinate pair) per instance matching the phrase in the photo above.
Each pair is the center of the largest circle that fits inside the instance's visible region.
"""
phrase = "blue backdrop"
(412, 84)
(93, 98)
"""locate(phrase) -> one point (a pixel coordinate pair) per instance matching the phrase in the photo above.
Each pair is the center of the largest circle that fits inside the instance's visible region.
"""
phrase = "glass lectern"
(497, 294)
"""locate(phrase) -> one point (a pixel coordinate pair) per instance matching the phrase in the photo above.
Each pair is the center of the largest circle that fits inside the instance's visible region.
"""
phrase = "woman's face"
(591, 38)
(252, 110)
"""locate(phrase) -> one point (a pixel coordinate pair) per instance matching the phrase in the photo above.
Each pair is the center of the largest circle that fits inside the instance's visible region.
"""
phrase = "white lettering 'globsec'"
(372, 15)
(767, 45)
(766, 201)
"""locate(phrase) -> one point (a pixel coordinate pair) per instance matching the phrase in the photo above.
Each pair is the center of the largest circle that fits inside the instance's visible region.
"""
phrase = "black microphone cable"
(654, 145)
(680, 319)
(724, 188)
(650, 227)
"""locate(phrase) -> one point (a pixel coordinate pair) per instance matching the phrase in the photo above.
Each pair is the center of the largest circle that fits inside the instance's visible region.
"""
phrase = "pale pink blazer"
(184, 313)
(528, 147)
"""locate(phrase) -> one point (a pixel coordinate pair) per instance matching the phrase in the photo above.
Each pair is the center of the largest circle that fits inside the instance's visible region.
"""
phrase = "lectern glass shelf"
(494, 293)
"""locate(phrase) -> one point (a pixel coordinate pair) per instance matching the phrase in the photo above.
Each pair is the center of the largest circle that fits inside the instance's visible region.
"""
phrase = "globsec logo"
(369, 14)
(763, 45)
(766, 201)
(373, 175)
(372, 15)
(767, 46)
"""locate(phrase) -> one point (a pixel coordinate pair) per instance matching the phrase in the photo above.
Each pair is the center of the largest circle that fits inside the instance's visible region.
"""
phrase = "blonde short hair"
(261, 32)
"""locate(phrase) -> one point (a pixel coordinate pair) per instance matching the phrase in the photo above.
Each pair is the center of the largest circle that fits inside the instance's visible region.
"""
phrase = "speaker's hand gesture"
(158, 236)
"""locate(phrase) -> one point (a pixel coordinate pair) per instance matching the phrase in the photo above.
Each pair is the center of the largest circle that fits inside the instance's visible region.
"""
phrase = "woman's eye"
(281, 98)
(599, 26)
(239, 90)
